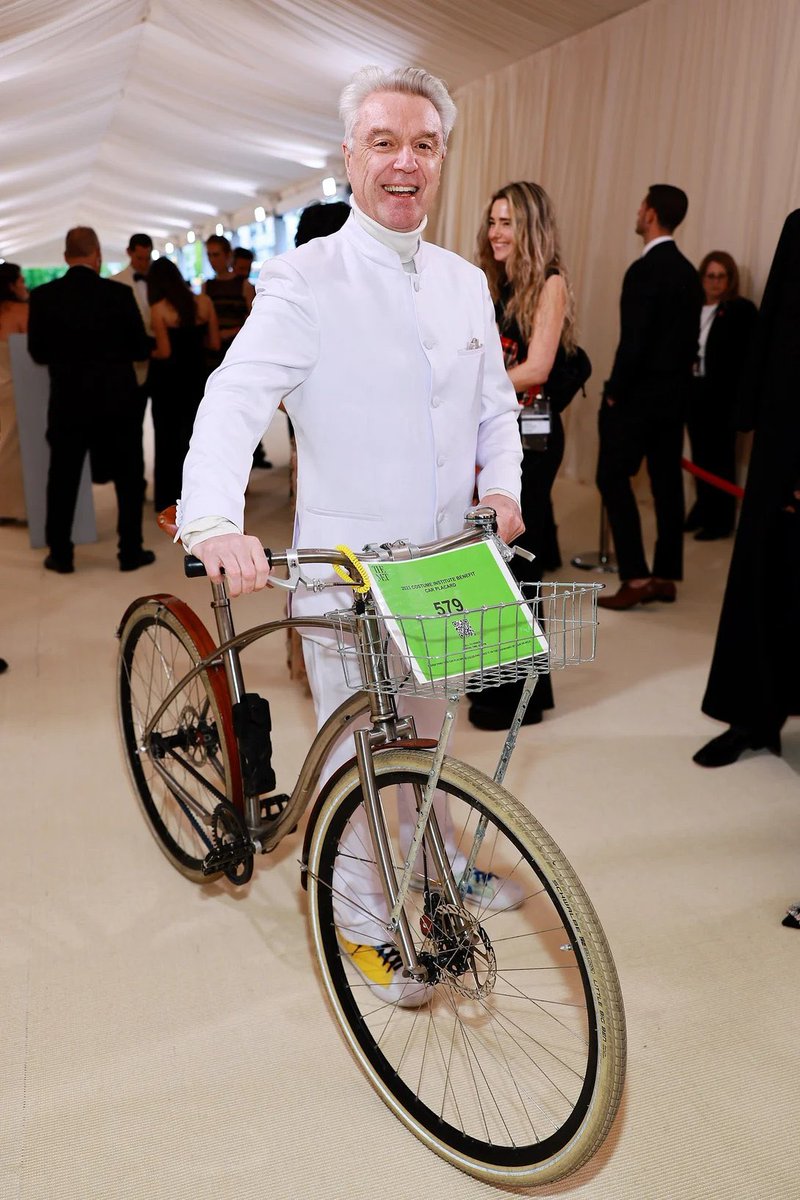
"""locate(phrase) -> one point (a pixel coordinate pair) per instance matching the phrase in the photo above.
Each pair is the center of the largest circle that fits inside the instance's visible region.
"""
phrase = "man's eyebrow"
(431, 135)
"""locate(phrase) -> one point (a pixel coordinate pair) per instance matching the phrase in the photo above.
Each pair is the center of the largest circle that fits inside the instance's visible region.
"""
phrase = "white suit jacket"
(126, 276)
(395, 385)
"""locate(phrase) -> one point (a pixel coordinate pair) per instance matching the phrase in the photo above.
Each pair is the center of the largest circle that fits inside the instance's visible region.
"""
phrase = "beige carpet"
(168, 1041)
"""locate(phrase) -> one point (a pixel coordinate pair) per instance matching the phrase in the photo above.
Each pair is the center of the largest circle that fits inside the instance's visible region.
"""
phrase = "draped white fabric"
(165, 115)
(704, 94)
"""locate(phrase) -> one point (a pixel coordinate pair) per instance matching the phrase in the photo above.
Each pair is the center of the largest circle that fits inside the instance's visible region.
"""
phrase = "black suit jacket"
(88, 332)
(659, 323)
(727, 349)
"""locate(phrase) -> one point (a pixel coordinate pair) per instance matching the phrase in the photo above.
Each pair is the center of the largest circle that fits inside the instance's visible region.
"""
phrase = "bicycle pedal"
(273, 806)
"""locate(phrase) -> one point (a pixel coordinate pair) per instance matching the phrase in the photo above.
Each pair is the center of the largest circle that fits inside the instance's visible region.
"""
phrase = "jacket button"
(440, 461)
(435, 402)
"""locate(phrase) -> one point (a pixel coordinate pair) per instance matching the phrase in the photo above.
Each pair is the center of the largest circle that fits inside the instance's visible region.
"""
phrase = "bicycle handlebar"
(479, 523)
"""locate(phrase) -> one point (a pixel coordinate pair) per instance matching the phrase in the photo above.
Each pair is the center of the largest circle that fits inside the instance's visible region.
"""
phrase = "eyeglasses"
(716, 275)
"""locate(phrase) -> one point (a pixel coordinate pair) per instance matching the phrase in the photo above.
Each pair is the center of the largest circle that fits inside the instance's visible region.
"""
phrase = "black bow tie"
(137, 275)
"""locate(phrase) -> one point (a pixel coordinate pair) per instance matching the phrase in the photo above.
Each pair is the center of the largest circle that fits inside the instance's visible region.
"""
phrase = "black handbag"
(568, 376)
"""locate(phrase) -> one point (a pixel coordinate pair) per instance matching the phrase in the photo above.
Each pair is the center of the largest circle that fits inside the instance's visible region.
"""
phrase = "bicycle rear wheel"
(189, 762)
(512, 1069)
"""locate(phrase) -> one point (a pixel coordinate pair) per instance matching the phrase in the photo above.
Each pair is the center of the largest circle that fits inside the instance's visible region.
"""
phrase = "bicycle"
(509, 1062)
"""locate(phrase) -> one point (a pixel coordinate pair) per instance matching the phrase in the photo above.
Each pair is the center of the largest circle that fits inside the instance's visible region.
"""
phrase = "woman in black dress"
(518, 248)
(185, 328)
(754, 681)
(727, 322)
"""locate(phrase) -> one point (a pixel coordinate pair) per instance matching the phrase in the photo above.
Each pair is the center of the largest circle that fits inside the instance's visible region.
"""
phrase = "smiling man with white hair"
(385, 353)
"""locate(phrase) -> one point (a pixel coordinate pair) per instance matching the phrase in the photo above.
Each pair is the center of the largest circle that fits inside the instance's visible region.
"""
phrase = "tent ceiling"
(168, 115)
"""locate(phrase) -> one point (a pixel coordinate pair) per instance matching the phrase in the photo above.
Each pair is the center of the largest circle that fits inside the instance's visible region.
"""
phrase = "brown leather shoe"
(628, 596)
(664, 590)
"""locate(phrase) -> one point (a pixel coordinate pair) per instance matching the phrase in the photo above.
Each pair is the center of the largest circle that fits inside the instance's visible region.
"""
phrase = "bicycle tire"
(161, 639)
(392, 1044)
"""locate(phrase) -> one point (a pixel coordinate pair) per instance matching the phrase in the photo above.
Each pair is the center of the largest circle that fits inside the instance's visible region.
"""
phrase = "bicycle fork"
(426, 828)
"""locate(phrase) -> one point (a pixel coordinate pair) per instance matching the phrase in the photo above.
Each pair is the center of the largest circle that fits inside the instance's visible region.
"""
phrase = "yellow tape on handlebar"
(359, 588)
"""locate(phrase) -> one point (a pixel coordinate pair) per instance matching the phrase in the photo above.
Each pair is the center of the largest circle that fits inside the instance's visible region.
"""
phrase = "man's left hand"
(509, 518)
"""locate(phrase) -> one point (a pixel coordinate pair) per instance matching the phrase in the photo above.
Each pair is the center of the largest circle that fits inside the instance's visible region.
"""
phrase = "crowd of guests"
(684, 340)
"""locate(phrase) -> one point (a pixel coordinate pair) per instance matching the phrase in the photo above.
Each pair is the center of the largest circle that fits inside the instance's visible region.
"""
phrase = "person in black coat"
(644, 401)
(727, 321)
(754, 682)
(88, 332)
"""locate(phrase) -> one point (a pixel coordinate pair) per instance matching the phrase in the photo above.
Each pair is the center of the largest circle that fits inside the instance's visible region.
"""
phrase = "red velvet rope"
(723, 484)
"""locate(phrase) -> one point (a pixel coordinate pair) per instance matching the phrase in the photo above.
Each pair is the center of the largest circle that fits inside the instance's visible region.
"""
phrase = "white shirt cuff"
(198, 531)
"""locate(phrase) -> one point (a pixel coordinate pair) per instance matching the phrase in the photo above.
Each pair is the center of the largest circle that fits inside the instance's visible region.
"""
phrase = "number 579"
(445, 607)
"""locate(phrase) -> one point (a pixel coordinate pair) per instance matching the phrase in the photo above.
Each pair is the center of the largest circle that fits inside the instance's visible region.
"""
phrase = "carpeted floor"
(170, 1041)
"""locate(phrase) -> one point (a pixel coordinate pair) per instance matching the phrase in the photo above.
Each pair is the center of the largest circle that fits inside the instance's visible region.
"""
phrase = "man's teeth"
(400, 191)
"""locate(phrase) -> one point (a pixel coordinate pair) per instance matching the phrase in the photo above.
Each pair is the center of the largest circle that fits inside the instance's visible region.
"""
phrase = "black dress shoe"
(3, 666)
(692, 522)
(260, 459)
(142, 559)
(64, 566)
(490, 718)
(725, 749)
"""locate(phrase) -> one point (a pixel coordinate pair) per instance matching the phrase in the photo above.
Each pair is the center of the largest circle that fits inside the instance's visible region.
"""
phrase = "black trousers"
(71, 433)
(626, 439)
(539, 469)
(713, 441)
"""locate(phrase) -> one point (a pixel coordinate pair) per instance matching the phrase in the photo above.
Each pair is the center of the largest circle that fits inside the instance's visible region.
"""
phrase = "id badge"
(534, 423)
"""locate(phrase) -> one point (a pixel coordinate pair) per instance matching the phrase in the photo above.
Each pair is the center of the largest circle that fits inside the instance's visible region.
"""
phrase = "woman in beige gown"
(13, 319)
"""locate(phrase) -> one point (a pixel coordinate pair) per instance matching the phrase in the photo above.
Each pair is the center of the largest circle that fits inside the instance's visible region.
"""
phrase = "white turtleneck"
(405, 245)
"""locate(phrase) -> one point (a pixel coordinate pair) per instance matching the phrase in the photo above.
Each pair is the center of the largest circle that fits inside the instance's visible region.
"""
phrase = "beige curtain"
(704, 94)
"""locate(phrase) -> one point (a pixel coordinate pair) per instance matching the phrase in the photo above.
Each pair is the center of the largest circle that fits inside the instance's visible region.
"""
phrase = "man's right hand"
(241, 556)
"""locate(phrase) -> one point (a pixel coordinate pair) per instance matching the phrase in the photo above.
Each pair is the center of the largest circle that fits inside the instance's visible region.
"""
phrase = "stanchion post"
(601, 559)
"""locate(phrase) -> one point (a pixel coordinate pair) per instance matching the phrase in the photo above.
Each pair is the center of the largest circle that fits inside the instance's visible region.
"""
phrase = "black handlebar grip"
(193, 568)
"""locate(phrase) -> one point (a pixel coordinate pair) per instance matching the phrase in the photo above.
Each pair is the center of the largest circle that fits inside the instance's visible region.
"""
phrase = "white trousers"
(359, 905)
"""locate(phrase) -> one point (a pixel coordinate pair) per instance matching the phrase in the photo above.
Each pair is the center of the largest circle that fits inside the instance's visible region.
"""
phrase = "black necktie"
(137, 275)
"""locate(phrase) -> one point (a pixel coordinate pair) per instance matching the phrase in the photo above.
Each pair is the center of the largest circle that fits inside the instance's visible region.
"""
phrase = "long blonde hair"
(535, 255)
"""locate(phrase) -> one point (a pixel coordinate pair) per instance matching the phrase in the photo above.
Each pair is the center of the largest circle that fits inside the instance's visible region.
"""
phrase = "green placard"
(456, 613)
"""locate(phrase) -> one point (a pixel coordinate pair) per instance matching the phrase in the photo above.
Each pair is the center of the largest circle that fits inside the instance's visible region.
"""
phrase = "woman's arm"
(249, 293)
(208, 315)
(548, 322)
(159, 327)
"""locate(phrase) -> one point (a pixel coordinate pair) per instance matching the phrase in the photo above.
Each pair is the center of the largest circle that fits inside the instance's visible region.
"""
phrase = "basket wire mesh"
(554, 627)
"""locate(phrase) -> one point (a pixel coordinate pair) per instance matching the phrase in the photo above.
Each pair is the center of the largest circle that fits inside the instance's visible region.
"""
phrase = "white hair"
(411, 80)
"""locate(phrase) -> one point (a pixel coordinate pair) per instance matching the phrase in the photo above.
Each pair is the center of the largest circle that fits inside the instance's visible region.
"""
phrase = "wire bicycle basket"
(468, 650)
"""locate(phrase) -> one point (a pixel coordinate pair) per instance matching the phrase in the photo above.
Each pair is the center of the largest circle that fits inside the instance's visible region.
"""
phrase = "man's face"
(219, 258)
(396, 160)
(140, 258)
(241, 266)
(644, 218)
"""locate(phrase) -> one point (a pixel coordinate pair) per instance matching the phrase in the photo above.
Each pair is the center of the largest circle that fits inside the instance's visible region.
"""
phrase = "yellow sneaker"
(382, 968)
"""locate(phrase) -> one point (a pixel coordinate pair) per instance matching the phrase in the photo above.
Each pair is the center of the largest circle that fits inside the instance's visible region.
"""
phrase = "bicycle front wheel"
(512, 1066)
(189, 761)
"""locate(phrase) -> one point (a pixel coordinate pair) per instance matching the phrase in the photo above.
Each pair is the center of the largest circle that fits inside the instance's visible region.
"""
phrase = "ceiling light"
(219, 230)
(169, 248)
(260, 213)
(190, 236)
(329, 186)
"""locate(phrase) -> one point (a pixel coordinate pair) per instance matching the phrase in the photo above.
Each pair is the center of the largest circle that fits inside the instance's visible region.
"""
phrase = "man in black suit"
(88, 332)
(644, 401)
